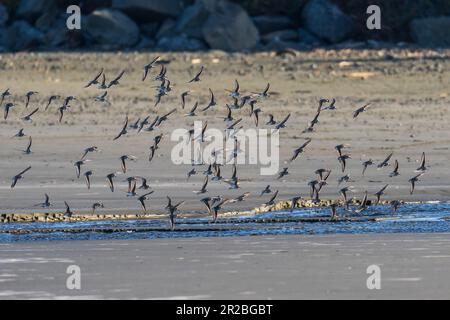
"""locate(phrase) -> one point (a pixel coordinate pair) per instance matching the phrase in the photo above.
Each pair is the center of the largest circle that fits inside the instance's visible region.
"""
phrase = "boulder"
(111, 28)
(192, 19)
(267, 24)
(145, 43)
(21, 36)
(307, 38)
(149, 29)
(327, 21)
(229, 28)
(283, 35)
(4, 16)
(149, 10)
(32, 9)
(180, 43)
(167, 29)
(431, 32)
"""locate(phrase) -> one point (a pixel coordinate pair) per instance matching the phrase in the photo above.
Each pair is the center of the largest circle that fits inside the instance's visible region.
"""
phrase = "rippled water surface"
(409, 218)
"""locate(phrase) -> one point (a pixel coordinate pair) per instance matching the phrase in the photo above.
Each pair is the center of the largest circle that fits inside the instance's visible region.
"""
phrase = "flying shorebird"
(144, 184)
(61, 110)
(394, 206)
(97, 205)
(395, 172)
(282, 124)
(87, 177)
(4, 94)
(264, 93)
(191, 173)
(27, 118)
(360, 110)
(294, 202)
(164, 117)
(123, 130)
(115, 81)
(206, 202)
(229, 116)
(363, 205)
(366, 164)
(197, 76)
(102, 98)
(68, 212)
(343, 161)
(266, 190)
(240, 198)
(216, 208)
(148, 67)
(28, 95)
(212, 101)
(342, 179)
(142, 199)
(385, 162)
(192, 112)
(282, 173)
(380, 193)
(183, 98)
(235, 92)
(339, 148)
(89, 149)
(28, 149)
(109, 178)
(343, 192)
(18, 176)
(46, 203)
(413, 181)
(271, 201)
(102, 85)
(299, 150)
(422, 167)
(203, 188)
(78, 165)
(7, 107)
(123, 158)
(271, 120)
(132, 190)
(172, 209)
(95, 80)
(19, 134)
(50, 100)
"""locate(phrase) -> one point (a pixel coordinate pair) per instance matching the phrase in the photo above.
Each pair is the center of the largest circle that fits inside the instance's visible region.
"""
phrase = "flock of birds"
(213, 169)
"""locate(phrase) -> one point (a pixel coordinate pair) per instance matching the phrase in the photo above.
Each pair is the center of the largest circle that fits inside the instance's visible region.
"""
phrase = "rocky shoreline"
(185, 25)
(77, 217)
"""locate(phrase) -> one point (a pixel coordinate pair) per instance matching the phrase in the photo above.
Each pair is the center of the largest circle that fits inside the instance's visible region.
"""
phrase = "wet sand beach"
(413, 266)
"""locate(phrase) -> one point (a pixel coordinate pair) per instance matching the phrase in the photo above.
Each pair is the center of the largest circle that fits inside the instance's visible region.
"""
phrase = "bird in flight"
(148, 67)
(19, 176)
(142, 199)
(197, 76)
(358, 111)
(123, 130)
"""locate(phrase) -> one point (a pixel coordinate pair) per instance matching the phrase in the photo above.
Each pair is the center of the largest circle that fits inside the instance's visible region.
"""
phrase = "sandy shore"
(413, 266)
(408, 90)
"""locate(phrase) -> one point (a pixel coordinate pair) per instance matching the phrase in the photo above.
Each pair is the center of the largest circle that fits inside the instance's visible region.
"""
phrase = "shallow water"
(411, 218)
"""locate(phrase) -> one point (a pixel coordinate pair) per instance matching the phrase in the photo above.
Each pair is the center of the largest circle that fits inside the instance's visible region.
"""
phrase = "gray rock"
(192, 19)
(180, 43)
(229, 28)
(167, 29)
(307, 38)
(267, 24)
(283, 35)
(21, 36)
(32, 9)
(431, 32)
(4, 16)
(327, 21)
(111, 28)
(145, 43)
(149, 10)
(149, 29)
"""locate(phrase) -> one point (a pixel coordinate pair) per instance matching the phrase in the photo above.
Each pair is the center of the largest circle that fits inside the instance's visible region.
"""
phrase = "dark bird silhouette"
(358, 111)
(197, 76)
(380, 193)
(422, 166)
(142, 199)
(18, 176)
(123, 130)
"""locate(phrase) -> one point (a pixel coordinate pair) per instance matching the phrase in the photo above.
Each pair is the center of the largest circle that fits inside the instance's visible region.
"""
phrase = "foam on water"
(411, 218)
